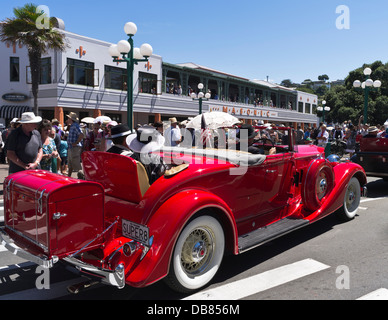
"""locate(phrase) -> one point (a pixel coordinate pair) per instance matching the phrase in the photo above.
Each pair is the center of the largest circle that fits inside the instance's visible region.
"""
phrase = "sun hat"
(147, 139)
(120, 130)
(173, 120)
(29, 117)
(112, 124)
(73, 116)
(372, 129)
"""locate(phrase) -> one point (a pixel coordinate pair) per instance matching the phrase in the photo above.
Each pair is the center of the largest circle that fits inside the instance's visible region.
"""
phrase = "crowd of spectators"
(62, 146)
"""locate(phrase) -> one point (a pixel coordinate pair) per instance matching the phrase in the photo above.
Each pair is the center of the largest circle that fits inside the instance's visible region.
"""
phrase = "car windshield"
(236, 138)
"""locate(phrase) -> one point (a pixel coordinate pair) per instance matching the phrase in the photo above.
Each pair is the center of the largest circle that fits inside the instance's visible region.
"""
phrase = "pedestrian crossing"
(261, 282)
(232, 291)
(267, 280)
(236, 290)
(380, 294)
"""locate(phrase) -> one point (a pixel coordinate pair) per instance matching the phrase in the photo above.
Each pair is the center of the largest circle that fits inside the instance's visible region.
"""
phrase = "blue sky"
(294, 40)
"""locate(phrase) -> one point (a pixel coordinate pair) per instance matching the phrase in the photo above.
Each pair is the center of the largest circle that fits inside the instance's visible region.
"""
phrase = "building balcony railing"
(111, 100)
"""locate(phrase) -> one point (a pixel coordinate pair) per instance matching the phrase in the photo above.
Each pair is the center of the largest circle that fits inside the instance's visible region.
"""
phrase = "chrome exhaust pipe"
(77, 288)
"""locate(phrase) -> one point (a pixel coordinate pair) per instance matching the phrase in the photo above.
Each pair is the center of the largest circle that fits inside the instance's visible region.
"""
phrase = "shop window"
(115, 78)
(114, 116)
(45, 71)
(48, 114)
(307, 108)
(82, 73)
(300, 107)
(83, 114)
(147, 82)
(14, 71)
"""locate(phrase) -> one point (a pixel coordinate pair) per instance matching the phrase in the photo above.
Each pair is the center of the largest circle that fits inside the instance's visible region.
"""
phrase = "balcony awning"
(10, 112)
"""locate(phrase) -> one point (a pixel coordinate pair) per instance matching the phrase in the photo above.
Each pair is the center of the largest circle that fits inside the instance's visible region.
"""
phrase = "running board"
(260, 236)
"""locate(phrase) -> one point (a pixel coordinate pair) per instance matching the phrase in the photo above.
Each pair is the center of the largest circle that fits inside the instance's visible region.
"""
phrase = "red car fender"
(343, 172)
(167, 223)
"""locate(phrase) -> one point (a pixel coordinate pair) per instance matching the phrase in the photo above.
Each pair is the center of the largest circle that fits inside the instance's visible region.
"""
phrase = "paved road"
(327, 260)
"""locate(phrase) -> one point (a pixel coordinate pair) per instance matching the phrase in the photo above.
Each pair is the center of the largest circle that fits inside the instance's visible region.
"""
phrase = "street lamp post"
(131, 56)
(367, 85)
(201, 96)
(323, 109)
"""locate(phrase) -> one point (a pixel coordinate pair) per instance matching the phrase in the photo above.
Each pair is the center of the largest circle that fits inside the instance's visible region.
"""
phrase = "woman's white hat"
(29, 117)
(146, 140)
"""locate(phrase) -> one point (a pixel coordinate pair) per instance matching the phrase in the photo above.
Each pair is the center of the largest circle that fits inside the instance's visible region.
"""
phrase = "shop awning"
(10, 112)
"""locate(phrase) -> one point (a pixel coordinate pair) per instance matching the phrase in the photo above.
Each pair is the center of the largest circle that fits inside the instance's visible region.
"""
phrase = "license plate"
(135, 231)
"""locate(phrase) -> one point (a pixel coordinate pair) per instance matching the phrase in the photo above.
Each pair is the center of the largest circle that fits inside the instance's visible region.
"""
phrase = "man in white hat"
(25, 145)
(74, 141)
(173, 134)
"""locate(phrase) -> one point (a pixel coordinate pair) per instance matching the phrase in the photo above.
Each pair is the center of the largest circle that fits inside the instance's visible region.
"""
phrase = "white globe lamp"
(130, 28)
(136, 54)
(367, 71)
(114, 51)
(146, 50)
(123, 46)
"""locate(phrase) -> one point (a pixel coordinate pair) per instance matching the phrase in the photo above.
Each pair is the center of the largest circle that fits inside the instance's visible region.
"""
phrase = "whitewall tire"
(197, 255)
(351, 201)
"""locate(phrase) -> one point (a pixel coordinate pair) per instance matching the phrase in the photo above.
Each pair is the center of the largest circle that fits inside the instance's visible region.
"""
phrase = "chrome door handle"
(58, 215)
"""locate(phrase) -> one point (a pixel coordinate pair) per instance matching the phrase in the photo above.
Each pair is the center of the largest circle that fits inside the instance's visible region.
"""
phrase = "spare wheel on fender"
(318, 183)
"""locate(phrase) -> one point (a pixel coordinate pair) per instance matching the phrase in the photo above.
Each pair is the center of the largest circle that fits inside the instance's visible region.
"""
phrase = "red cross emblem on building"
(148, 66)
(81, 51)
(14, 46)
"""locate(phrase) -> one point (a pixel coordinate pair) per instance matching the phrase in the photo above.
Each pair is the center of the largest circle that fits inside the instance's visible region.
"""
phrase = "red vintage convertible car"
(115, 227)
(373, 156)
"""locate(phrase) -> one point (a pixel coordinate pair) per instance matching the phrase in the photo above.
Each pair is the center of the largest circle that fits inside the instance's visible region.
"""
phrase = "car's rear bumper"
(6, 241)
(112, 277)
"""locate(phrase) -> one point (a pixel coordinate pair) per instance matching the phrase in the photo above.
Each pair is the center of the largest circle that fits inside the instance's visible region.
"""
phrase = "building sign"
(14, 97)
(245, 112)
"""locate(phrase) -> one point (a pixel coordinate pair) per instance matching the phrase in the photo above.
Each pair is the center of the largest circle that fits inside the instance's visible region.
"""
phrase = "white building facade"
(85, 80)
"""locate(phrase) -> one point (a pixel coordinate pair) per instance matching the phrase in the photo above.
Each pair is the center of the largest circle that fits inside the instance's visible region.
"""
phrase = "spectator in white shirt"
(323, 137)
(173, 134)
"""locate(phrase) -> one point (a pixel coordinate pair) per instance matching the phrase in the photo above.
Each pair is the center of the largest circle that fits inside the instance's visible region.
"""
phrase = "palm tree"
(23, 28)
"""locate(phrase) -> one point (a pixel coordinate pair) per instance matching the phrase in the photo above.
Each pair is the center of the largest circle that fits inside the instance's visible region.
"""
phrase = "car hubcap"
(351, 198)
(321, 187)
(197, 251)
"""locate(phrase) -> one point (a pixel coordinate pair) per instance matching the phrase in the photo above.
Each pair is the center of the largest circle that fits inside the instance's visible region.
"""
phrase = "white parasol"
(214, 120)
(102, 119)
(88, 120)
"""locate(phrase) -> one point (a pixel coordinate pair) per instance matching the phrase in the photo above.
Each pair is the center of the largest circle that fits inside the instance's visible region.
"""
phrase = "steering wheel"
(264, 140)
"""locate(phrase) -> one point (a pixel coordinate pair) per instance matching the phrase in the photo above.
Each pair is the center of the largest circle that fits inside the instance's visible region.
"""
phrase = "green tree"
(347, 103)
(23, 28)
(287, 83)
(323, 77)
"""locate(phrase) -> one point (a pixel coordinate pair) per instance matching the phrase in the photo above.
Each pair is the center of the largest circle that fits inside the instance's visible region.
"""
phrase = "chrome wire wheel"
(351, 200)
(197, 251)
(197, 255)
